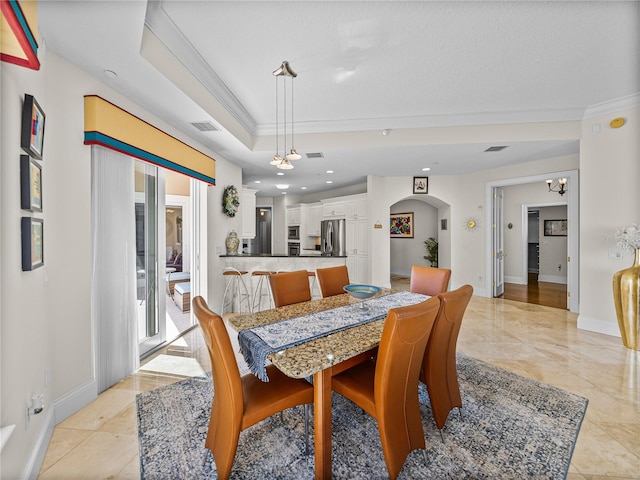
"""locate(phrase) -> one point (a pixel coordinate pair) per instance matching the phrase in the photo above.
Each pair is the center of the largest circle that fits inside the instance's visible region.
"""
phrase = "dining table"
(319, 339)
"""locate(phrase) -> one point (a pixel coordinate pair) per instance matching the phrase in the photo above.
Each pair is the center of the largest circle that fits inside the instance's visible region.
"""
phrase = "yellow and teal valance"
(107, 125)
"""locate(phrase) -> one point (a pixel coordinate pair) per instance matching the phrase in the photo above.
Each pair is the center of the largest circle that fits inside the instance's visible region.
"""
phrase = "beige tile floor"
(543, 343)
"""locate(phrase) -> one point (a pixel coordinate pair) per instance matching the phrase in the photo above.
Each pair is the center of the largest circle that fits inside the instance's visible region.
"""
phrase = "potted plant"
(431, 245)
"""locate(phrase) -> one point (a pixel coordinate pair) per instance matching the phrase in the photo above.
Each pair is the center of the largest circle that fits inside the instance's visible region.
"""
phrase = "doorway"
(572, 221)
(261, 244)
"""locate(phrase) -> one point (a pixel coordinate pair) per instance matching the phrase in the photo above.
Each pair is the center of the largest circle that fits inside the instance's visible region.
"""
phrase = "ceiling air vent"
(315, 155)
(205, 126)
(496, 149)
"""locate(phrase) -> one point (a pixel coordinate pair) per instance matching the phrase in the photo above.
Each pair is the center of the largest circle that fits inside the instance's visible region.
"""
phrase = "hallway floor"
(100, 441)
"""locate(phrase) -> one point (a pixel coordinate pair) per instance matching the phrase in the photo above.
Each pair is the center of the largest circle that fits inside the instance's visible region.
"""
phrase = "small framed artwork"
(30, 184)
(555, 228)
(420, 184)
(401, 225)
(32, 139)
(32, 243)
(443, 224)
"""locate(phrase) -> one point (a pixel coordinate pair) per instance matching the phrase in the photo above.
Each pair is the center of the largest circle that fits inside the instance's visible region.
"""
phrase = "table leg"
(322, 422)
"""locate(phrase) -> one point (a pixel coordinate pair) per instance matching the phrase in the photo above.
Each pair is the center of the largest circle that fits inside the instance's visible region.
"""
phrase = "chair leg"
(441, 435)
(460, 412)
(306, 429)
(426, 459)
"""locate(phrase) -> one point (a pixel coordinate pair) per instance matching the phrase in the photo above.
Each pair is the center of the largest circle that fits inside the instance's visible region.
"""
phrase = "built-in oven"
(294, 249)
(294, 232)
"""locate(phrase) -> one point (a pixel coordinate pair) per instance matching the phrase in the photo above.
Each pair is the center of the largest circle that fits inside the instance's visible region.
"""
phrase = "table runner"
(256, 344)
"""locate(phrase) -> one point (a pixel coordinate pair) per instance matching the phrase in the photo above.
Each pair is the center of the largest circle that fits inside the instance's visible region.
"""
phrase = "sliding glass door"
(150, 257)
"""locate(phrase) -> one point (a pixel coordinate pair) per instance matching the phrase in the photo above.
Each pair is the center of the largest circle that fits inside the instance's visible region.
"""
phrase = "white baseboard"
(78, 398)
(34, 462)
(598, 326)
(61, 408)
(552, 279)
(516, 280)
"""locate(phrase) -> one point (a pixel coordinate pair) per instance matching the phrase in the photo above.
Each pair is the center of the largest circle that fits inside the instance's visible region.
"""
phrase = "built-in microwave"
(294, 233)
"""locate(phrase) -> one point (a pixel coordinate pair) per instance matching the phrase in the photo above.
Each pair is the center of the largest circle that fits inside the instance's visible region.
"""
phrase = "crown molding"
(612, 106)
(159, 23)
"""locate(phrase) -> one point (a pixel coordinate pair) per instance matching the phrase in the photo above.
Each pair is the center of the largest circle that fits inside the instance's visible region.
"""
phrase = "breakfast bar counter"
(278, 262)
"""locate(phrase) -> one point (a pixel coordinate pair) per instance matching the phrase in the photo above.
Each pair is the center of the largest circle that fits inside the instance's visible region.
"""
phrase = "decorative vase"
(232, 242)
(626, 294)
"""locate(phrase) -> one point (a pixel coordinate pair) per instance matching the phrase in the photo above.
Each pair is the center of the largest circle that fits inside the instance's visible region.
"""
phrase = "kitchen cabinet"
(357, 234)
(293, 215)
(248, 213)
(311, 219)
(356, 208)
(334, 209)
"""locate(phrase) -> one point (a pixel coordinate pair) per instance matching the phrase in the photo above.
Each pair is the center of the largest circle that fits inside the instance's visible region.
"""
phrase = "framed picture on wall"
(32, 138)
(30, 184)
(555, 228)
(401, 225)
(32, 243)
(420, 184)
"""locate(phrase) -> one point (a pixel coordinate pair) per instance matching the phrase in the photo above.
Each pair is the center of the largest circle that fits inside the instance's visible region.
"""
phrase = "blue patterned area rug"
(511, 428)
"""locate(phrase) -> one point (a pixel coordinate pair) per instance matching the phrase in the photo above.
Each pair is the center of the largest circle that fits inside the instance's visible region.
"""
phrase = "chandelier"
(284, 71)
(557, 185)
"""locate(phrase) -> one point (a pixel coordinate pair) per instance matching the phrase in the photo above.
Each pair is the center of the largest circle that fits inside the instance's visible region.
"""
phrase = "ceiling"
(434, 74)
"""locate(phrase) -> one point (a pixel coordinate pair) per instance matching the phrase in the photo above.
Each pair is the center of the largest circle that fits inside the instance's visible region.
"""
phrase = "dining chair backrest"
(332, 280)
(439, 370)
(290, 287)
(227, 408)
(429, 280)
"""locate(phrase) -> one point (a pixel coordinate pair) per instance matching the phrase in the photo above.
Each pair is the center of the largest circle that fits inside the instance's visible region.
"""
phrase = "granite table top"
(311, 357)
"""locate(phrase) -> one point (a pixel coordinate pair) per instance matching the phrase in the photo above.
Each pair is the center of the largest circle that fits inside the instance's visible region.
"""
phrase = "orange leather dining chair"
(240, 402)
(332, 279)
(429, 280)
(290, 287)
(387, 388)
(439, 371)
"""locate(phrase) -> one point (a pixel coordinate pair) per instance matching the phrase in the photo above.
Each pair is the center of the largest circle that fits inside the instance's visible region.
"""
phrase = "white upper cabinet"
(293, 215)
(356, 208)
(311, 218)
(333, 209)
(248, 211)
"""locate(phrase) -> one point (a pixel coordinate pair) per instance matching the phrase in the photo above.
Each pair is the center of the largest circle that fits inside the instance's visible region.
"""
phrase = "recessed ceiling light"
(329, 171)
(257, 181)
(284, 193)
(282, 187)
(280, 173)
(426, 169)
(303, 188)
(329, 181)
(110, 74)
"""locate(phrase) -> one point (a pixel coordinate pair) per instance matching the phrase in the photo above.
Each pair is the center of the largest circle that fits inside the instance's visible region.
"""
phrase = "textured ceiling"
(434, 73)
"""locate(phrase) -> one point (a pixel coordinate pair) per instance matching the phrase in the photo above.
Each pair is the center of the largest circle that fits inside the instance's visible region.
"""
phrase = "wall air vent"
(205, 126)
(315, 155)
(496, 149)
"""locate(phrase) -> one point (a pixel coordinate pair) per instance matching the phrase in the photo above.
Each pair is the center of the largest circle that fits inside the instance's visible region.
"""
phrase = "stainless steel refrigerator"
(333, 236)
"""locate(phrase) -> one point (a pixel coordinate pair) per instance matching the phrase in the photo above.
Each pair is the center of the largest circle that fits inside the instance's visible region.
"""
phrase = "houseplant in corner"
(431, 245)
(626, 289)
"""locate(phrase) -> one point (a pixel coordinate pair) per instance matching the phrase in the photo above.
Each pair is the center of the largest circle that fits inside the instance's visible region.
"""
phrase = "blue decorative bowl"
(361, 292)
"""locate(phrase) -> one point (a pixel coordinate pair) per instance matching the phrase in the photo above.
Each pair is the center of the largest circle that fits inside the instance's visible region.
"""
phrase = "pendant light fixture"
(284, 163)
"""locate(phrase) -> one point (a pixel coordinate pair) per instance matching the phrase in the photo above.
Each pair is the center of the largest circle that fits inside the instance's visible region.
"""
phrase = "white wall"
(45, 315)
(465, 194)
(406, 252)
(609, 198)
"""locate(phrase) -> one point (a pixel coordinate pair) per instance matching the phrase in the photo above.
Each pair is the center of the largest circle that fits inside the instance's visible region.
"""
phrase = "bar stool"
(236, 288)
(258, 293)
(312, 278)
